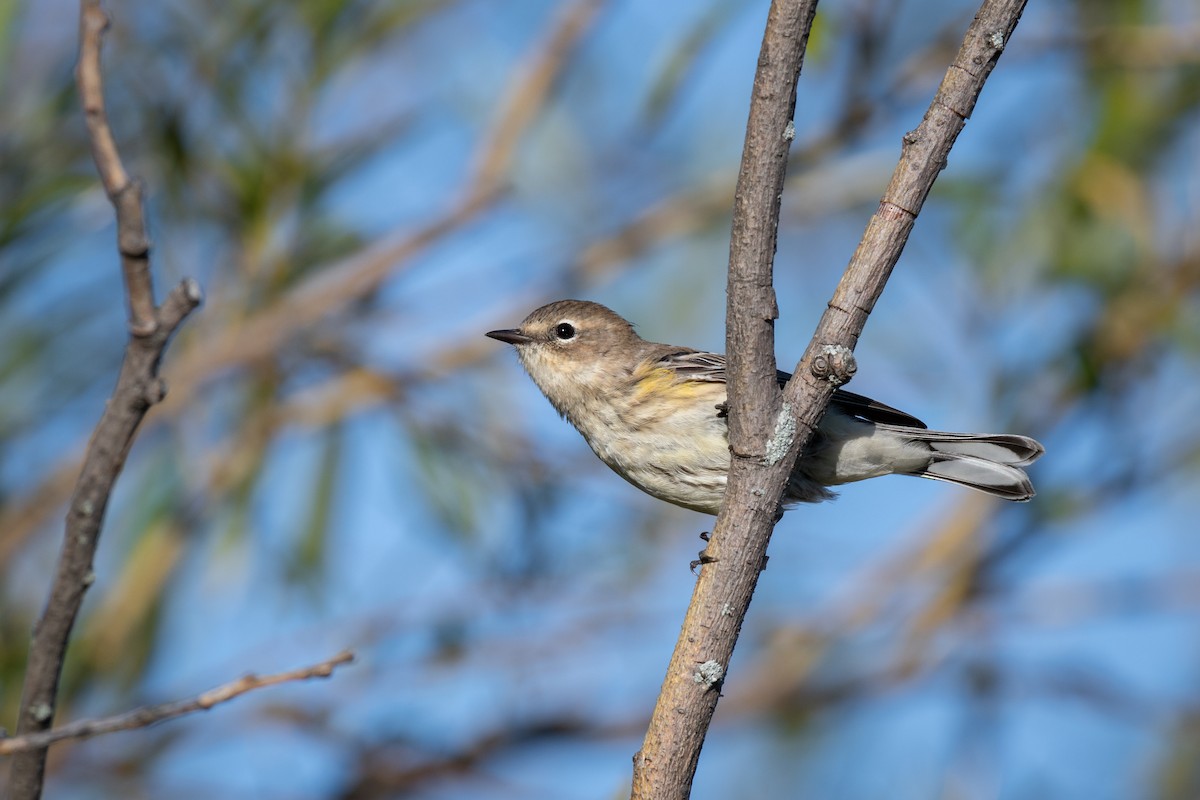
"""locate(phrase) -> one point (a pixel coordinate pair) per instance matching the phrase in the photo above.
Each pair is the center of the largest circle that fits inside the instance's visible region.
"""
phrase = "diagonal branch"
(527, 93)
(768, 430)
(150, 715)
(138, 388)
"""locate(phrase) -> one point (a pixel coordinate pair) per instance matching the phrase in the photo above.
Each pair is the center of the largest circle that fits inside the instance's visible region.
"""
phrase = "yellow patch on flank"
(662, 382)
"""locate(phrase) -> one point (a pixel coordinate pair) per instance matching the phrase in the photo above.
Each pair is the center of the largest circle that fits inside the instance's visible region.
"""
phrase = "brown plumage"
(653, 413)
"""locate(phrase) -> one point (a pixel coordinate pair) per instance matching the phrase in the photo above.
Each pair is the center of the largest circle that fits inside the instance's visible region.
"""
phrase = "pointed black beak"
(510, 335)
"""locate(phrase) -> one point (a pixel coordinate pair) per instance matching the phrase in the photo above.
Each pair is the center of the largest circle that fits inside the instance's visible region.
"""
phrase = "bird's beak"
(510, 335)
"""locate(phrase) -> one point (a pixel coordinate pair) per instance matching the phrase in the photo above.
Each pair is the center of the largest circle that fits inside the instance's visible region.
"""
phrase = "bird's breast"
(666, 437)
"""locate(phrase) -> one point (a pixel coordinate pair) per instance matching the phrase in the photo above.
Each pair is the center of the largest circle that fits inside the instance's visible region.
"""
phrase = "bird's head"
(573, 349)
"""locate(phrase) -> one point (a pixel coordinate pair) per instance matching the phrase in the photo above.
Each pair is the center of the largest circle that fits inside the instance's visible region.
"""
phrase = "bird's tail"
(990, 463)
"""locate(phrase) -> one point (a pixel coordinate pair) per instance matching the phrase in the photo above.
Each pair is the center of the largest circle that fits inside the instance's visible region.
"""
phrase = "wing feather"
(701, 366)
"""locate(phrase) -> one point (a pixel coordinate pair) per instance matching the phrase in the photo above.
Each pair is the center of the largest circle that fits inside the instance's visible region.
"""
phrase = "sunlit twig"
(150, 715)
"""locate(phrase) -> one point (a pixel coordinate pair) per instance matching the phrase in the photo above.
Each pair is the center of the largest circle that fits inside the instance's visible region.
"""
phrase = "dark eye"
(564, 331)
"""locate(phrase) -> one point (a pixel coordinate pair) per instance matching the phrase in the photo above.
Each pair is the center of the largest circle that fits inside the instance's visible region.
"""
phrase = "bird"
(656, 414)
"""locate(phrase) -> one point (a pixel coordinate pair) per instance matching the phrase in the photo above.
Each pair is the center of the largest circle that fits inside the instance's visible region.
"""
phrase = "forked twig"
(138, 388)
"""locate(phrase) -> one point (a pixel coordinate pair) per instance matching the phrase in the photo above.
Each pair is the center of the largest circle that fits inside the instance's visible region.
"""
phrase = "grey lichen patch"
(41, 712)
(789, 133)
(782, 438)
(192, 291)
(709, 673)
(996, 39)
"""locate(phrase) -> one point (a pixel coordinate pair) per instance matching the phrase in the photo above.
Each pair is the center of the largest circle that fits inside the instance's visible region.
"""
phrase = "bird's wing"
(701, 366)
(695, 365)
(873, 410)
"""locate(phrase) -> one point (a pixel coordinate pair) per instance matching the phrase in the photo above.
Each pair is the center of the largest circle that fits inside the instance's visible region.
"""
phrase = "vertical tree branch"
(125, 194)
(767, 430)
(138, 388)
(666, 764)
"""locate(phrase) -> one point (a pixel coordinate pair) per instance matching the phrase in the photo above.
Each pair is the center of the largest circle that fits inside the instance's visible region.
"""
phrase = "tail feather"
(1003, 448)
(1001, 480)
(987, 462)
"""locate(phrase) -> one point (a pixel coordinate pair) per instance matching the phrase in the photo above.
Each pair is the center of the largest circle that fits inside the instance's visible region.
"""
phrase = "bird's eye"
(564, 331)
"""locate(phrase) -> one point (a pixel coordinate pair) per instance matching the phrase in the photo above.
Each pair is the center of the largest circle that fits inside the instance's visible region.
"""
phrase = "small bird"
(655, 414)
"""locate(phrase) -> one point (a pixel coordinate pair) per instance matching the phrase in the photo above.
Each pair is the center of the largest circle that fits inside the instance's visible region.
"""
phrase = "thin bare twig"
(125, 194)
(768, 430)
(138, 388)
(150, 715)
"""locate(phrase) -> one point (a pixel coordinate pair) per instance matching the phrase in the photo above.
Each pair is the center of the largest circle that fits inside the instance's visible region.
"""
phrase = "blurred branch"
(528, 92)
(338, 286)
(762, 460)
(18, 520)
(138, 388)
(261, 336)
(149, 715)
(1152, 46)
(916, 592)
(391, 768)
(1141, 46)
(696, 207)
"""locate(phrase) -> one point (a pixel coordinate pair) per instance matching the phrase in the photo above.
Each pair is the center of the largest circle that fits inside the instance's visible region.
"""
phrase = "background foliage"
(363, 188)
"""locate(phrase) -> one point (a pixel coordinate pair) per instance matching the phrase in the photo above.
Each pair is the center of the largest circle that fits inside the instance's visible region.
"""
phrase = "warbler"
(656, 414)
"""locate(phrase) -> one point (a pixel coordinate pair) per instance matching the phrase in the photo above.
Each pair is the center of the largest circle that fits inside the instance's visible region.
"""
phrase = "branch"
(125, 194)
(666, 764)
(150, 715)
(768, 430)
(138, 388)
